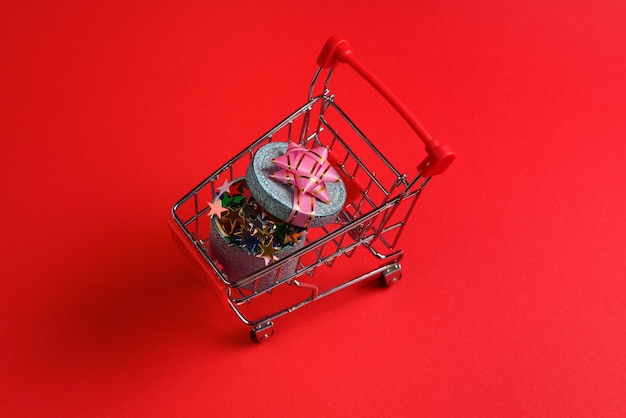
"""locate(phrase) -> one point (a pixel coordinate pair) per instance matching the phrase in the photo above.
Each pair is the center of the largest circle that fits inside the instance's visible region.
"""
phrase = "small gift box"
(296, 184)
(245, 238)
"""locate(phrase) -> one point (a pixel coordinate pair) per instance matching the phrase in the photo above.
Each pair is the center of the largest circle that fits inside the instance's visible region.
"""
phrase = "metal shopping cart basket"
(376, 209)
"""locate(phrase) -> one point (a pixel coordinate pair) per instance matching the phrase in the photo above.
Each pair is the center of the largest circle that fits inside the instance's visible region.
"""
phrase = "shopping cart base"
(391, 275)
(387, 276)
(262, 331)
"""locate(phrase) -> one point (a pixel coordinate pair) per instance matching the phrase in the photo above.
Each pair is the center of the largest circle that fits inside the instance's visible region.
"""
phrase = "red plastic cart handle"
(440, 156)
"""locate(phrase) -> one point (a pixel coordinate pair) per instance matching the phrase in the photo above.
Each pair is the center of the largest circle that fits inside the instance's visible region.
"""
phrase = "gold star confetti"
(234, 218)
(246, 225)
(267, 252)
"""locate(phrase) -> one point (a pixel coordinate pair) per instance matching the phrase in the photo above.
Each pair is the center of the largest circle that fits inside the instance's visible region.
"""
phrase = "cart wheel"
(262, 332)
(391, 275)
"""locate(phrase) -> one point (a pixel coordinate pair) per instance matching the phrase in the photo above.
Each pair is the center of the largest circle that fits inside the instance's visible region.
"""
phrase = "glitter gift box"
(245, 238)
(263, 217)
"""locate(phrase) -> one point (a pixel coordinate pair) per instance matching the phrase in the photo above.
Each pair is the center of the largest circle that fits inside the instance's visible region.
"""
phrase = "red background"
(512, 299)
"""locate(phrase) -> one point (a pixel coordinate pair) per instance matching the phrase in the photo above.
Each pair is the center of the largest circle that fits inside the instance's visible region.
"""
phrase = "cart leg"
(261, 332)
(391, 275)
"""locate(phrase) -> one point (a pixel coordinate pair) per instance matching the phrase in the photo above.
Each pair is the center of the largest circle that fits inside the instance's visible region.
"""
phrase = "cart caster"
(391, 275)
(262, 331)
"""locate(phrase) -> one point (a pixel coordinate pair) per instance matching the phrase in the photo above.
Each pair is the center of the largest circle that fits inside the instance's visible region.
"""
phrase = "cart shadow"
(144, 300)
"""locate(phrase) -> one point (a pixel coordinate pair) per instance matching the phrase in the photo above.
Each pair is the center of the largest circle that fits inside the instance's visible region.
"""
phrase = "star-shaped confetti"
(234, 200)
(280, 231)
(250, 209)
(234, 217)
(293, 237)
(268, 252)
(216, 209)
(225, 188)
(251, 243)
(263, 233)
(256, 224)
(246, 225)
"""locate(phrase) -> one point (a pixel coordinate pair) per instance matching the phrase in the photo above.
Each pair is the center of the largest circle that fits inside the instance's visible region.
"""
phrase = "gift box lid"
(277, 188)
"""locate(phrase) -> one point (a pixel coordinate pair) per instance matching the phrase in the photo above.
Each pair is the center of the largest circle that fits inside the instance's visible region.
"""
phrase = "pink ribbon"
(308, 171)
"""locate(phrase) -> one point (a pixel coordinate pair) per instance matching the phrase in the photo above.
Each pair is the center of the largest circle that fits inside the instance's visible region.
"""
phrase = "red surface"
(512, 301)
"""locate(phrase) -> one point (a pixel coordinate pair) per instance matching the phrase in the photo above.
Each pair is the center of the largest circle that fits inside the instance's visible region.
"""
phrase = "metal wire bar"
(380, 155)
(315, 295)
(357, 159)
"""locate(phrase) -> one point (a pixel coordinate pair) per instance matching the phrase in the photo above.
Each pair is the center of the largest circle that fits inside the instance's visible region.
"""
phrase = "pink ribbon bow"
(308, 171)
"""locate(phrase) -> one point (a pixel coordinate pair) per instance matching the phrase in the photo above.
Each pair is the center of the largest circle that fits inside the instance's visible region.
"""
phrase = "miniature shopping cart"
(378, 203)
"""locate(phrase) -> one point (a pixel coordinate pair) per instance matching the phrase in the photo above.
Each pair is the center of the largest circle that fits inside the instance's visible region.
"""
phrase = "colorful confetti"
(246, 225)
(216, 209)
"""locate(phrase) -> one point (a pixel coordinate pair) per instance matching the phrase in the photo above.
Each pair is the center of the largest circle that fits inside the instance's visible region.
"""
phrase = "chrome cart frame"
(378, 205)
